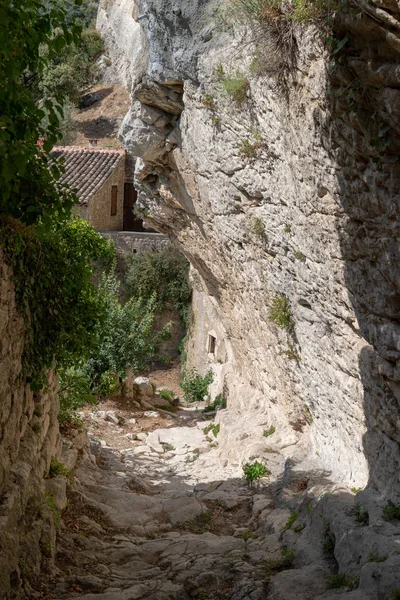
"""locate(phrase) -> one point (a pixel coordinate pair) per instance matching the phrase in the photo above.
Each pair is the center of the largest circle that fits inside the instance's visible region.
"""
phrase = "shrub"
(51, 503)
(55, 292)
(74, 393)
(254, 471)
(236, 86)
(341, 580)
(57, 468)
(290, 521)
(269, 431)
(395, 594)
(164, 274)
(281, 313)
(125, 339)
(167, 395)
(391, 512)
(287, 229)
(299, 528)
(216, 430)
(194, 386)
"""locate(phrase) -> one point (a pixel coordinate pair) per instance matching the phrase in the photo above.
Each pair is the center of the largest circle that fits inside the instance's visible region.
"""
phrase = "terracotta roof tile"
(87, 169)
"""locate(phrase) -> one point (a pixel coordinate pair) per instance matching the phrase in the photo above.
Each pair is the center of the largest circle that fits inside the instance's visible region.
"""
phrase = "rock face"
(29, 438)
(285, 204)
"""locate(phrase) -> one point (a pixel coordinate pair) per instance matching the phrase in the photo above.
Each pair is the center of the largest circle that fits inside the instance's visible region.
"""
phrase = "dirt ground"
(102, 120)
(167, 377)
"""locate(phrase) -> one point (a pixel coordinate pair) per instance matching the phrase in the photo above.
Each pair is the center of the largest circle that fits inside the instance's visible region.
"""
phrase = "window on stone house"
(212, 342)
(114, 200)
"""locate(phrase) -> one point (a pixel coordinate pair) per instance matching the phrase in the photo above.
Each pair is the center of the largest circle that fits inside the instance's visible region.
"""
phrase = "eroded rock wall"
(29, 437)
(294, 193)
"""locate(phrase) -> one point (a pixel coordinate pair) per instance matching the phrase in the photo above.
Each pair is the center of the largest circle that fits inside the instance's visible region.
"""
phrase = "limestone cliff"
(290, 196)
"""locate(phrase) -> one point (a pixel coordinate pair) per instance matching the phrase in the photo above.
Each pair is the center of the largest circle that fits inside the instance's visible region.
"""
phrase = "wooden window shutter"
(114, 200)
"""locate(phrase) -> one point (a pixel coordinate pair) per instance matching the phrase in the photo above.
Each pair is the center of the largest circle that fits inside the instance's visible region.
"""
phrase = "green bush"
(74, 393)
(167, 395)
(254, 471)
(360, 514)
(395, 594)
(125, 339)
(164, 274)
(236, 86)
(57, 468)
(374, 557)
(281, 313)
(55, 292)
(194, 386)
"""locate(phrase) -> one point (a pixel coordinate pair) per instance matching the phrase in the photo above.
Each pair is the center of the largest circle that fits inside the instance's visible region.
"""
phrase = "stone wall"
(29, 437)
(307, 212)
(100, 204)
(135, 241)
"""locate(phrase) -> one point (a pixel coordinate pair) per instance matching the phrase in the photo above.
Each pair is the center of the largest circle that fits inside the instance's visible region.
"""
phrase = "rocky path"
(147, 522)
(156, 512)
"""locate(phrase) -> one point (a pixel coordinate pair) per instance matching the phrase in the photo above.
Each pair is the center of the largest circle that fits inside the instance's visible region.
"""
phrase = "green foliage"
(168, 447)
(287, 229)
(395, 594)
(360, 514)
(73, 70)
(55, 292)
(194, 386)
(279, 564)
(269, 431)
(74, 394)
(307, 414)
(208, 101)
(355, 490)
(299, 528)
(236, 86)
(291, 520)
(299, 255)
(391, 512)
(374, 557)
(29, 189)
(125, 338)
(167, 395)
(57, 468)
(208, 428)
(281, 313)
(220, 401)
(216, 121)
(164, 274)
(341, 580)
(49, 498)
(254, 471)
(216, 429)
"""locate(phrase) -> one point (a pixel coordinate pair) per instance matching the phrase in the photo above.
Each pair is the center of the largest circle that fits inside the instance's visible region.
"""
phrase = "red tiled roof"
(87, 169)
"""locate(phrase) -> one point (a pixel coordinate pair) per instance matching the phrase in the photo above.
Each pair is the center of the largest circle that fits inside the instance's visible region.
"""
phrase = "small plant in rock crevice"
(374, 557)
(281, 313)
(291, 520)
(258, 229)
(167, 447)
(50, 501)
(279, 564)
(395, 594)
(236, 86)
(208, 101)
(219, 402)
(299, 528)
(360, 514)
(166, 395)
(57, 468)
(254, 471)
(269, 431)
(341, 580)
(299, 255)
(391, 512)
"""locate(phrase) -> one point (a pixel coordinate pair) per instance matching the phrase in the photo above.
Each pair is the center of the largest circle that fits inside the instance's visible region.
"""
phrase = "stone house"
(103, 181)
